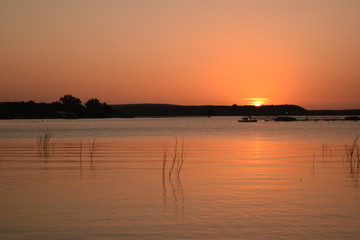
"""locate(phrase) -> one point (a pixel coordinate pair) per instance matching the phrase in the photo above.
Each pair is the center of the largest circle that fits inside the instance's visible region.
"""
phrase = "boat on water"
(247, 119)
(284, 119)
(353, 118)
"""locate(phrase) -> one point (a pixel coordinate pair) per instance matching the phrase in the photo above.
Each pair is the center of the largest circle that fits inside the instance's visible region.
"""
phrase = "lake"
(178, 178)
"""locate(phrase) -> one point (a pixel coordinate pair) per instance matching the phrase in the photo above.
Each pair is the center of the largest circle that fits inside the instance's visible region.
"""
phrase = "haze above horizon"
(259, 52)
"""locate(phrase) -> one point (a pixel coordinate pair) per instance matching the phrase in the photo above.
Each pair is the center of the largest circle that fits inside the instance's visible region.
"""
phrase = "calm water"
(103, 179)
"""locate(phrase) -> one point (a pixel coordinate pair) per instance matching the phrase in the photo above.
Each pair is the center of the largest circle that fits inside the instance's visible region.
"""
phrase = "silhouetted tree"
(72, 104)
(69, 100)
(97, 109)
(93, 105)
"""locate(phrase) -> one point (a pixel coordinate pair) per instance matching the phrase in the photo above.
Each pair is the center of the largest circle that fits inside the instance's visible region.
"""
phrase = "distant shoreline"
(168, 110)
(165, 110)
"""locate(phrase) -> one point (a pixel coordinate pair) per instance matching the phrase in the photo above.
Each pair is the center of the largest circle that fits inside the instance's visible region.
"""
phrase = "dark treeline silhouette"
(68, 106)
(166, 110)
(144, 110)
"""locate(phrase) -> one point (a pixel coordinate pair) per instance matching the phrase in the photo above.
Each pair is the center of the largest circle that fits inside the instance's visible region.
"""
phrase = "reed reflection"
(45, 145)
(171, 175)
(332, 155)
(64, 152)
(352, 160)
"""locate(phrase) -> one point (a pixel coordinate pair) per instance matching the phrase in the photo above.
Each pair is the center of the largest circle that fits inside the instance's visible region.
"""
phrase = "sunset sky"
(190, 52)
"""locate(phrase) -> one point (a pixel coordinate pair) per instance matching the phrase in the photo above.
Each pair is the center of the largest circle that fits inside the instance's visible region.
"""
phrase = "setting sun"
(256, 101)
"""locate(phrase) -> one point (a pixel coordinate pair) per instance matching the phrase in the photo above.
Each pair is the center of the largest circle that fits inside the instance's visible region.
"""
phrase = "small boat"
(284, 119)
(247, 119)
(353, 118)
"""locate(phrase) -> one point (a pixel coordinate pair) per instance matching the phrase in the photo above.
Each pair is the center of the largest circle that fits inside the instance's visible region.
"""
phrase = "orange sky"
(190, 52)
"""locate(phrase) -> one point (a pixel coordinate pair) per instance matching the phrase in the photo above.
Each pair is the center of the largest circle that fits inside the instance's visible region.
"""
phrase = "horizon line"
(245, 105)
(204, 105)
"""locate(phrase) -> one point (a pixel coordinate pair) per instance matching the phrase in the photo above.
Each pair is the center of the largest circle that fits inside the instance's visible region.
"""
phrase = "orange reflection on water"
(226, 184)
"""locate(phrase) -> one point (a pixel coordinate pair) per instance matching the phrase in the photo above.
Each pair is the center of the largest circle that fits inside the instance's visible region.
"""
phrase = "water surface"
(265, 180)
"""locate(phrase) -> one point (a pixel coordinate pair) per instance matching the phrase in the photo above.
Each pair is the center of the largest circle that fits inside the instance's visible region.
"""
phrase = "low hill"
(31, 109)
(166, 110)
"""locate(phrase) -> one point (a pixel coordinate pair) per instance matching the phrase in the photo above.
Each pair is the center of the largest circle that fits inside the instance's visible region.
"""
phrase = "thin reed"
(177, 160)
(165, 152)
(181, 158)
(92, 150)
(174, 169)
(353, 154)
(43, 144)
(80, 152)
(174, 159)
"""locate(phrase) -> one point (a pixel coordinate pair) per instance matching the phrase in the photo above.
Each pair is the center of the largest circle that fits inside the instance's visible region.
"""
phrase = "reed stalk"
(43, 144)
(165, 152)
(80, 153)
(352, 150)
(353, 155)
(174, 158)
(177, 160)
(92, 150)
(181, 159)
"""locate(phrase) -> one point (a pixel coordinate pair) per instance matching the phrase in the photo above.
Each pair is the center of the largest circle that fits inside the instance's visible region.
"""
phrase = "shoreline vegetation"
(70, 107)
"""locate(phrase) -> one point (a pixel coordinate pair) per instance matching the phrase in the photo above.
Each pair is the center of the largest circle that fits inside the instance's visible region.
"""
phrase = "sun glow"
(256, 101)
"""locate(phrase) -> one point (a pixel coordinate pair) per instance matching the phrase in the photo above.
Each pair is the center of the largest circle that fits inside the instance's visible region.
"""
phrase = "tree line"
(67, 106)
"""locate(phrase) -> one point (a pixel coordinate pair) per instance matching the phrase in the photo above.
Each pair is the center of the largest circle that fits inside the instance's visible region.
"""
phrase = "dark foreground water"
(178, 178)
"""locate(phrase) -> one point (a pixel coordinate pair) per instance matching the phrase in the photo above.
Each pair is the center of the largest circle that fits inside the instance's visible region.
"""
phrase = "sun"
(257, 102)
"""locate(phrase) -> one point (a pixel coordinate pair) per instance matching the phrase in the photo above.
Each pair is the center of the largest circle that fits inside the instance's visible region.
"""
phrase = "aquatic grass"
(177, 160)
(181, 158)
(165, 152)
(326, 150)
(80, 151)
(352, 152)
(43, 144)
(174, 169)
(313, 163)
(174, 159)
(92, 150)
